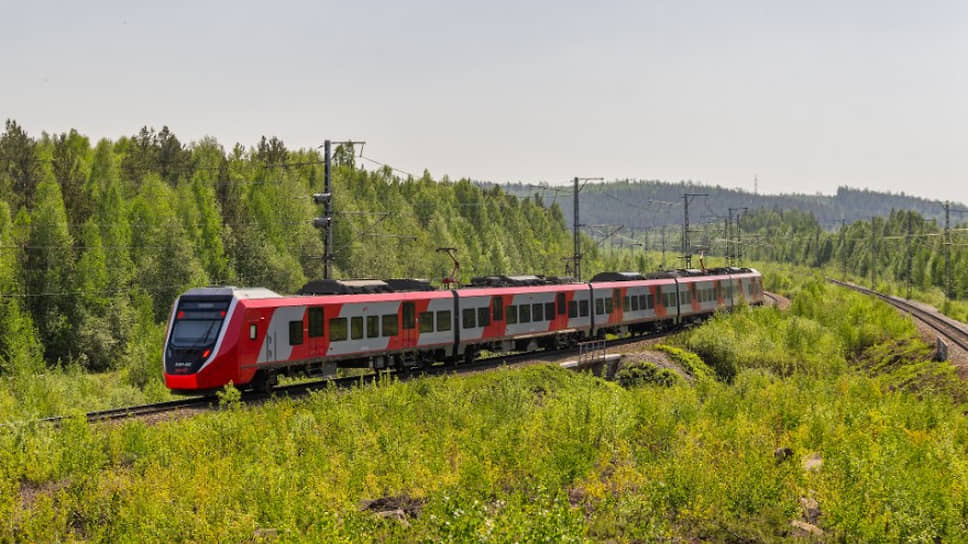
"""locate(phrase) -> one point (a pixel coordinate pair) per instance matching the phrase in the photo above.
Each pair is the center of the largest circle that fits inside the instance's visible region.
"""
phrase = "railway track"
(301, 389)
(950, 329)
(139, 411)
(304, 388)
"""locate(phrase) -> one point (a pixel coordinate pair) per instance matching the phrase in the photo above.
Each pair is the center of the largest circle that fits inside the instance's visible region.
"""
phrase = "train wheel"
(264, 382)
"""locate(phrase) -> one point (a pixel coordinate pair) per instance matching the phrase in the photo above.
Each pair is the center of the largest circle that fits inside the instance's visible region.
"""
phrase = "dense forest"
(648, 204)
(97, 239)
(903, 247)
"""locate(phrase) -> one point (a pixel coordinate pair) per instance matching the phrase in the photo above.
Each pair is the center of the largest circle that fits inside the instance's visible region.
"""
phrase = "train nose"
(187, 382)
(185, 360)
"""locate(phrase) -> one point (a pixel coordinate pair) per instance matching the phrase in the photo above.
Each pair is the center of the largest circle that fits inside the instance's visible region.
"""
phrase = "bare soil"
(779, 301)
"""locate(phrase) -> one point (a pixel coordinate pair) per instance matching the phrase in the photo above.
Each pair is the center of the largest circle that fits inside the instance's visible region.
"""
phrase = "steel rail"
(945, 326)
(301, 389)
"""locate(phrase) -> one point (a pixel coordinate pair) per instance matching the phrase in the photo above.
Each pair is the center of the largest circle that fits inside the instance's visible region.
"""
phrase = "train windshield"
(191, 332)
(198, 321)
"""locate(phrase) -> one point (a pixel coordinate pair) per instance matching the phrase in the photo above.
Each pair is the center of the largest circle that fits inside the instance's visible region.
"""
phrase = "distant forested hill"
(643, 204)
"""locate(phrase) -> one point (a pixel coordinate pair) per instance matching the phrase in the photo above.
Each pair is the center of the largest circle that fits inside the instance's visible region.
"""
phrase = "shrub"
(640, 373)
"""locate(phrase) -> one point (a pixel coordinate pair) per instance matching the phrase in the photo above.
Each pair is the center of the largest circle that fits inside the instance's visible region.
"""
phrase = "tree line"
(649, 204)
(901, 247)
(98, 238)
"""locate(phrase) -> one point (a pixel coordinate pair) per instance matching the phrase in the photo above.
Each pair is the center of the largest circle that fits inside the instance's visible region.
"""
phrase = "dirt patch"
(657, 358)
(780, 301)
(404, 503)
(30, 491)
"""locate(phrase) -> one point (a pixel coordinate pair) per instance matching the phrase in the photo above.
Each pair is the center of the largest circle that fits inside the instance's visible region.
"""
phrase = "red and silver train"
(250, 336)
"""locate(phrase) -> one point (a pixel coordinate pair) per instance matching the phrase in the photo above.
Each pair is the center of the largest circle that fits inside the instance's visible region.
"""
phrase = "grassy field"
(839, 408)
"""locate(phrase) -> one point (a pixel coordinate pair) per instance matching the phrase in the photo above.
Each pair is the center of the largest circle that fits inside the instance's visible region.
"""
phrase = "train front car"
(747, 286)
(198, 346)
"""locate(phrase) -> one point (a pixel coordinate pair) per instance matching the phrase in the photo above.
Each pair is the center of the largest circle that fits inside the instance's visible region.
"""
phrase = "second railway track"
(951, 330)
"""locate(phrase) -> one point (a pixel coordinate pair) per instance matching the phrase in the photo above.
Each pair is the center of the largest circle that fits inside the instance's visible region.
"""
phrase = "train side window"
(315, 322)
(608, 305)
(469, 318)
(337, 329)
(642, 302)
(426, 321)
(572, 309)
(372, 326)
(356, 328)
(635, 303)
(537, 312)
(524, 314)
(497, 305)
(295, 333)
(599, 306)
(512, 315)
(483, 317)
(649, 301)
(549, 311)
(626, 304)
(253, 331)
(443, 320)
(583, 308)
(562, 306)
(390, 324)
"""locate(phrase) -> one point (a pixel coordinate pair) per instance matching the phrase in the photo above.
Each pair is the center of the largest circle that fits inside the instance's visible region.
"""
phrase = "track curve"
(943, 325)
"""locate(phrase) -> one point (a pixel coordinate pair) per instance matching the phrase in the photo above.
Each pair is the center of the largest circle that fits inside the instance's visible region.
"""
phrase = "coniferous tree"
(20, 350)
(49, 272)
(20, 169)
(95, 340)
(69, 158)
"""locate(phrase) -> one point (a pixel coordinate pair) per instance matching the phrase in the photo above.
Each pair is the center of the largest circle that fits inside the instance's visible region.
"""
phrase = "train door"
(316, 344)
(409, 332)
(253, 326)
(269, 346)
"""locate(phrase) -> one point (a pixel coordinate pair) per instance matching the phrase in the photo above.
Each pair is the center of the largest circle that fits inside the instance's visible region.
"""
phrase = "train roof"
(232, 291)
(366, 286)
(517, 281)
(352, 298)
(483, 291)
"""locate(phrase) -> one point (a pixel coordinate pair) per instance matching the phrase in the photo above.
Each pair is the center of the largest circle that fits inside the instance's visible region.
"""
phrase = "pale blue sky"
(806, 95)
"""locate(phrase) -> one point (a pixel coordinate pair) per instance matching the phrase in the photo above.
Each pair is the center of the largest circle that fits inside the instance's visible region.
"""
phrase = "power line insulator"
(322, 198)
(322, 222)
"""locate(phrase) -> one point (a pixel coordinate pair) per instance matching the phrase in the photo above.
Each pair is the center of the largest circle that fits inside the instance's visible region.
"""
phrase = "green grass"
(62, 391)
(540, 454)
(536, 455)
